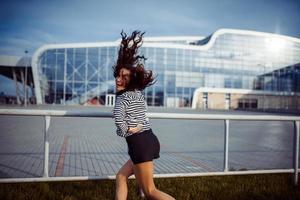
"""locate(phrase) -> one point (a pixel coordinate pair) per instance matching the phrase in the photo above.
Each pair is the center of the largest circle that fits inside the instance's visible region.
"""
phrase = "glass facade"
(226, 59)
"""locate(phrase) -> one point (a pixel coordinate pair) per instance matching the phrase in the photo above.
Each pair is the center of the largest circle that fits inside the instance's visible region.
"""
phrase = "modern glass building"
(228, 59)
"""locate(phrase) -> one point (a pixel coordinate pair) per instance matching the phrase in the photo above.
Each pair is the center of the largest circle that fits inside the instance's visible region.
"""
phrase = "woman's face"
(122, 79)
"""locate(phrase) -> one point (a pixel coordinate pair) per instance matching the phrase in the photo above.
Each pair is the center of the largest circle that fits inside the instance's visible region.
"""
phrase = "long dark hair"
(128, 58)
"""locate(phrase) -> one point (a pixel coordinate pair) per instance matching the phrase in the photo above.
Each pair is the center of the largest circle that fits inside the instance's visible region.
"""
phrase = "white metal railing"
(226, 117)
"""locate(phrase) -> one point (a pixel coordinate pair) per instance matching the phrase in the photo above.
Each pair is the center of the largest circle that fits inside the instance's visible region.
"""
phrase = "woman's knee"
(149, 192)
(121, 177)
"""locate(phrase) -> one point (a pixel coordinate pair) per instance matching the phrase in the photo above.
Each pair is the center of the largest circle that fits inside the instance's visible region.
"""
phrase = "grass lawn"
(238, 187)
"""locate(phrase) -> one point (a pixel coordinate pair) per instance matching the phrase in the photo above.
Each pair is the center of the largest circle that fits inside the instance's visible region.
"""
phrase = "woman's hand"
(136, 129)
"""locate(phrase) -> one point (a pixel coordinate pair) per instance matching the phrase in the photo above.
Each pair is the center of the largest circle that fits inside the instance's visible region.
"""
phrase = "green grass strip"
(242, 187)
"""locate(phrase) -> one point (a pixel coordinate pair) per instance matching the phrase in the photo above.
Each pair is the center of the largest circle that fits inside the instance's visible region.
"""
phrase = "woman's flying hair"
(128, 58)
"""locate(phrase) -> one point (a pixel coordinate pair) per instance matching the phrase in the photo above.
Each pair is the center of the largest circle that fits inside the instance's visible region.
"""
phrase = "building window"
(205, 100)
(247, 104)
(227, 96)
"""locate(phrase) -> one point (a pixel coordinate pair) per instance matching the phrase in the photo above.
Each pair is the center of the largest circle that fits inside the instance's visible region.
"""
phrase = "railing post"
(226, 140)
(296, 151)
(46, 149)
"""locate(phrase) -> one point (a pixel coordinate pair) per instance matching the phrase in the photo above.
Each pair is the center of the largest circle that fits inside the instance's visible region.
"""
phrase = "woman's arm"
(119, 114)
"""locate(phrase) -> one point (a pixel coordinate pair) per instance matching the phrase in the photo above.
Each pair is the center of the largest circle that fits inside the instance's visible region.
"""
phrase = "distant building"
(228, 69)
(18, 70)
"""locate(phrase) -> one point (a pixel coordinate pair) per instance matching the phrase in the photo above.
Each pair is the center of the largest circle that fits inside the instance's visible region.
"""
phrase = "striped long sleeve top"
(129, 111)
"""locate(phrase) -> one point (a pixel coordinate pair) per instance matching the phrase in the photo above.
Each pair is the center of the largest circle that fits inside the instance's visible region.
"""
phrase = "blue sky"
(28, 24)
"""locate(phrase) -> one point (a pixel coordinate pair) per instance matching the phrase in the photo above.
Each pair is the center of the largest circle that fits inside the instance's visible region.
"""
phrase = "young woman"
(131, 121)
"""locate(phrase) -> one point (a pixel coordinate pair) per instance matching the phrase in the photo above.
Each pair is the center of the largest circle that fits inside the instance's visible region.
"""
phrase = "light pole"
(25, 96)
(264, 87)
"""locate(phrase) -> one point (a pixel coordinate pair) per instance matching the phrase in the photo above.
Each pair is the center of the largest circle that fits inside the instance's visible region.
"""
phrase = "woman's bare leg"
(144, 175)
(121, 180)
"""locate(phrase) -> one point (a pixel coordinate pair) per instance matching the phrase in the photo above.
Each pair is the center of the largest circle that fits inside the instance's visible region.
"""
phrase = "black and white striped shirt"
(130, 110)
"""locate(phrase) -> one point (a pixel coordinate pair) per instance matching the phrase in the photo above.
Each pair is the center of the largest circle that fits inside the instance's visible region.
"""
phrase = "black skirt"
(143, 147)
